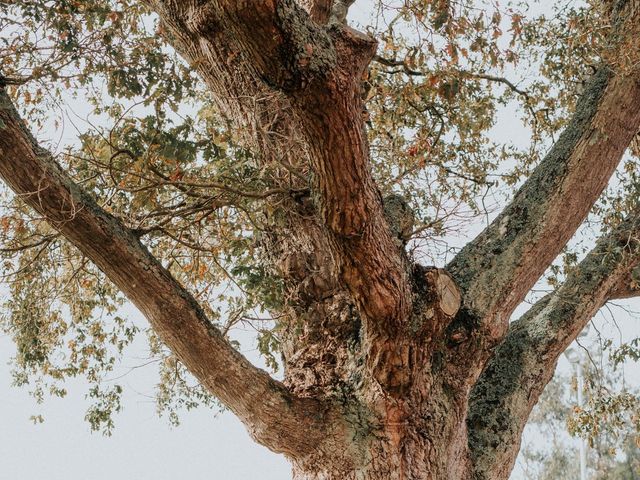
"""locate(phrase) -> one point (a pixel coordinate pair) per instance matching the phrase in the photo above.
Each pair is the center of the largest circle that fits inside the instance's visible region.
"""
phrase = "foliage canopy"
(152, 148)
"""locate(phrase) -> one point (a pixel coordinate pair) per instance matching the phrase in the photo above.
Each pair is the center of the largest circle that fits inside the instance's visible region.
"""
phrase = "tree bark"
(383, 357)
(525, 361)
(273, 415)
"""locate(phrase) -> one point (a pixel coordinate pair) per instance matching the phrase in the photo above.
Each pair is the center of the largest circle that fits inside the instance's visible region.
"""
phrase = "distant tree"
(264, 163)
(608, 422)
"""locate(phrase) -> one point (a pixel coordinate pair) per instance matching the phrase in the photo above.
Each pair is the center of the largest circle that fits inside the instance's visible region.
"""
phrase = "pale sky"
(143, 446)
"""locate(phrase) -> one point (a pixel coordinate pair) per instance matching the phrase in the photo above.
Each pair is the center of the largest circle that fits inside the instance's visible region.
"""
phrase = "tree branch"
(319, 10)
(314, 73)
(273, 416)
(627, 287)
(286, 48)
(318, 68)
(502, 264)
(525, 361)
(406, 69)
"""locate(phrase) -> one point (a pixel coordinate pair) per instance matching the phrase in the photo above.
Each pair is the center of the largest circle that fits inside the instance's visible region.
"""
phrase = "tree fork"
(273, 416)
(381, 355)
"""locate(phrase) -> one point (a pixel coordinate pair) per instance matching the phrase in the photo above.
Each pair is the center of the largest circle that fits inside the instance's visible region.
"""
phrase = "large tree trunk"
(396, 453)
(382, 355)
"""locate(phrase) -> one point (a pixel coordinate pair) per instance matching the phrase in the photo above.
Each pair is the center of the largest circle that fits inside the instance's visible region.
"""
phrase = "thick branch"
(525, 362)
(287, 49)
(503, 263)
(319, 10)
(274, 418)
(313, 73)
(627, 287)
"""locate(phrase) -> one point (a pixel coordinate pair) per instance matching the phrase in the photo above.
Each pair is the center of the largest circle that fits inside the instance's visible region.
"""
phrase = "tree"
(607, 421)
(316, 171)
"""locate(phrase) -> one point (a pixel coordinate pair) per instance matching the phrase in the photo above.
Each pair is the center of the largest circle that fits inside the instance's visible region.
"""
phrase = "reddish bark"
(382, 355)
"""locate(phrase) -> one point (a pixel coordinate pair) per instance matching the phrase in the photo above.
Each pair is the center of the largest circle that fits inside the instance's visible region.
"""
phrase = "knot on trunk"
(396, 357)
(445, 292)
(438, 299)
(400, 217)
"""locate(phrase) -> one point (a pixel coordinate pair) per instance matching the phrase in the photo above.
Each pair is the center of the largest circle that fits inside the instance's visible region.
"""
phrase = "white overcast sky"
(143, 446)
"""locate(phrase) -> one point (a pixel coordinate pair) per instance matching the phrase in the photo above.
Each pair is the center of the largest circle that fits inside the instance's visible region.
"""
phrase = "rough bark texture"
(504, 262)
(384, 358)
(273, 414)
(525, 361)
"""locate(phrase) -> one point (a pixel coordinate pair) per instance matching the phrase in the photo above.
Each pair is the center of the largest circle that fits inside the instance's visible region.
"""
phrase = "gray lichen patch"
(399, 216)
(307, 49)
(502, 244)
